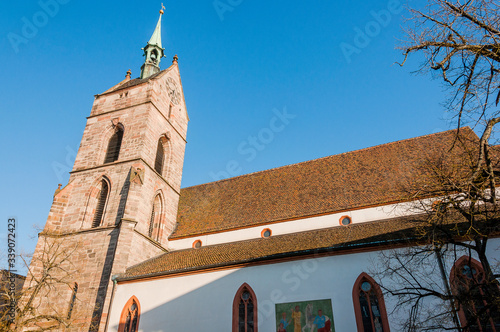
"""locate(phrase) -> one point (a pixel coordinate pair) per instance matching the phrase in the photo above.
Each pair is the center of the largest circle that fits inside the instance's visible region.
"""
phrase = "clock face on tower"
(173, 91)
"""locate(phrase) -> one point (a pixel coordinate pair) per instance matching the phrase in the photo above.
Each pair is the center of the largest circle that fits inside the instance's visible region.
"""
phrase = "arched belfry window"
(160, 157)
(369, 305)
(155, 223)
(129, 320)
(245, 310)
(114, 145)
(467, 280)
(102, 197)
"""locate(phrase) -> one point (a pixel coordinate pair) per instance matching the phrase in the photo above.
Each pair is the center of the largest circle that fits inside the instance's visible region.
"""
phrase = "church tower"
(120, 204)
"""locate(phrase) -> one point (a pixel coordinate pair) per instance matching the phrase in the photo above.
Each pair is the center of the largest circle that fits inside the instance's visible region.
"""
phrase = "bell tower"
(120, 204)
(153, 52)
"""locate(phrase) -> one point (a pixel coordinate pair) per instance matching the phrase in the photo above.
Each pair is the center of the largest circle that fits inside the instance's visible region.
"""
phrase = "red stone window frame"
(262, 234)
(128, 316)
(245, 299)
(458, 279)
(342, 218)
(195, 244)
(375, 290)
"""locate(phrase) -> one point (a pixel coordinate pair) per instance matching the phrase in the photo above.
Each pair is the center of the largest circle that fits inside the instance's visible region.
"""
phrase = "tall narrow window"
(369, 305)
(129, 320)
(159, 157)
(114, 145)
(101, 204)
(468, 284)
(170, 110)
(72, 301)
(155, 224)
(245, 310)
(152, 222)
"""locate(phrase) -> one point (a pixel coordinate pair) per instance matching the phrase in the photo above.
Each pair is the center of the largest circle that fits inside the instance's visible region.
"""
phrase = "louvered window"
(114, 146)
(159, 157)
(101, 204)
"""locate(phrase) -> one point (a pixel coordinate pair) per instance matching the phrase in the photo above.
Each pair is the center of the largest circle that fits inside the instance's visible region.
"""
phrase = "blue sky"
(329, 64)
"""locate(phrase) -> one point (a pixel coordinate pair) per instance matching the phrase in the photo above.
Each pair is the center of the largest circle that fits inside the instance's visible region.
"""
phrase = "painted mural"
(307, 316)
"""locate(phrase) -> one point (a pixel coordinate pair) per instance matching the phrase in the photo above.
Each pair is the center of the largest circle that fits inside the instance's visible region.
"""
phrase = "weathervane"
(162, 8)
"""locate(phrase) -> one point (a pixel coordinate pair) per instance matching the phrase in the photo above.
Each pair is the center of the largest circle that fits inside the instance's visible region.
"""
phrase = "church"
(287, 249)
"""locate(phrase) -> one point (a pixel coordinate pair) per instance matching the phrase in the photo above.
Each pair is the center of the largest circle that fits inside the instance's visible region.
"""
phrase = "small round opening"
(266, 233)
(197, 244)
(366, 286)
(345, 221)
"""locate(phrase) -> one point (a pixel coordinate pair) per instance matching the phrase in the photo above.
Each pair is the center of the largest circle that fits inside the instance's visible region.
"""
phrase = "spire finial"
(153, 51)
(162, 8)
(176, 58)
(129, 74)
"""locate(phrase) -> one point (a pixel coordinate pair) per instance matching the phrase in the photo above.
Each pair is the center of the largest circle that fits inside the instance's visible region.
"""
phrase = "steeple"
(153, 51)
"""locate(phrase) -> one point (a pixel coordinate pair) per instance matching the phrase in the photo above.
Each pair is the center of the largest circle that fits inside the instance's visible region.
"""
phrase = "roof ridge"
(321, 158)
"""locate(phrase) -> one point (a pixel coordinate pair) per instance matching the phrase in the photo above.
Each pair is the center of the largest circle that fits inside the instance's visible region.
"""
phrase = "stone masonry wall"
(122, 238)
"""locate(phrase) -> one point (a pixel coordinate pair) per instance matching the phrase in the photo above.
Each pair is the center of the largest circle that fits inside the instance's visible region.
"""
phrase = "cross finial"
(162, 8)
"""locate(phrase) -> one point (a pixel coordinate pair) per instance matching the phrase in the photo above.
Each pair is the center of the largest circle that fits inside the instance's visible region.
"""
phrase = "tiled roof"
(368, 177)
(137, 81)
(305, 243)
(130, 83)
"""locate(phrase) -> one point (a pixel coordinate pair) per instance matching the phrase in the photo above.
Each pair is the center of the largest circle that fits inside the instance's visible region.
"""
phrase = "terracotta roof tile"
(352, 180)
(336, 238)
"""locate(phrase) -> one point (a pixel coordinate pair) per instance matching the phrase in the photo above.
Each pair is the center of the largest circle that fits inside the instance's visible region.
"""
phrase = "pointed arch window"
(245, 310)
(155, 224)
(101, 203)
(114, 145)
(160, 156)
(467, 280)
(369, 305)
(129, 320)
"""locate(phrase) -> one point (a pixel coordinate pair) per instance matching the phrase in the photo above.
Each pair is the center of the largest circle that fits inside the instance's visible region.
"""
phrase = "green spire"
(153, 51)
(156, 37)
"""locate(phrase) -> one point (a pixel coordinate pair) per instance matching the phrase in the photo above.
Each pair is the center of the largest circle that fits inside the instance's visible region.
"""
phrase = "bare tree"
(49, 299)
(459, 40)
(443, 279)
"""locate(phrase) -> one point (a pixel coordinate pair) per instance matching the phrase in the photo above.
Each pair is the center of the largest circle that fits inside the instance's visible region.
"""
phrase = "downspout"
(113, 278)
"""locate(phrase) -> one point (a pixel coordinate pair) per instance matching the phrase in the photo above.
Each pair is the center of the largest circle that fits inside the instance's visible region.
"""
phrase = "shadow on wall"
(209, 307)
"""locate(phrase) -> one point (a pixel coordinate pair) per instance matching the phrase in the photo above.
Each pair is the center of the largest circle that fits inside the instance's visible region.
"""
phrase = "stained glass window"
(468, 283)
(368, 300)
(244, 310)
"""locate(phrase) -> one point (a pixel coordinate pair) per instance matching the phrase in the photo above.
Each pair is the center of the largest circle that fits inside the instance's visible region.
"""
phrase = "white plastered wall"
(299, 225)
(203, 301)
